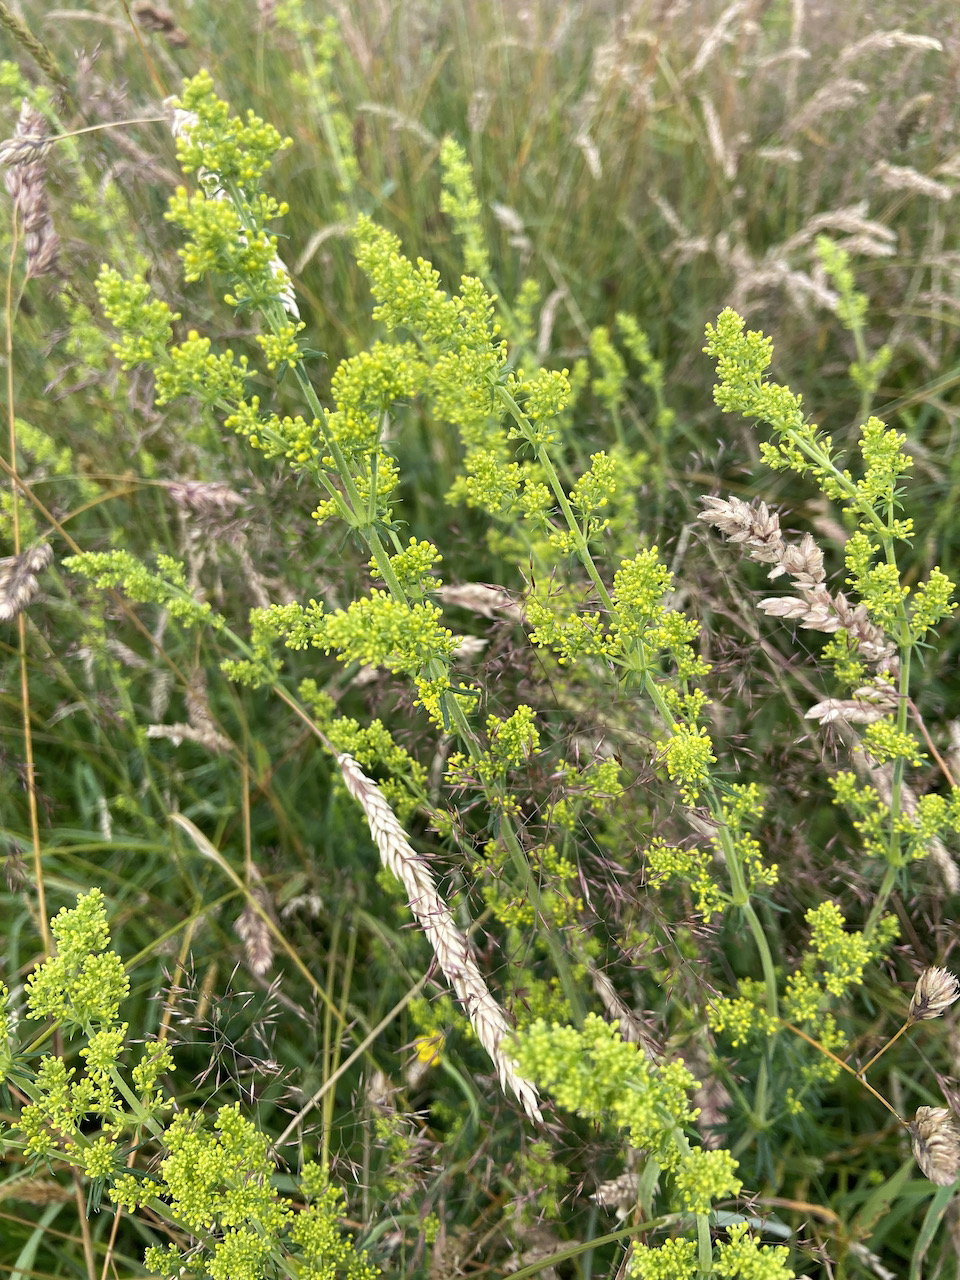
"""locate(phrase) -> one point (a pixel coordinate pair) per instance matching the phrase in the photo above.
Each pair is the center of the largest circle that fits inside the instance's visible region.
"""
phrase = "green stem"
(704, 1246)
(139, 1113)
(880, 901)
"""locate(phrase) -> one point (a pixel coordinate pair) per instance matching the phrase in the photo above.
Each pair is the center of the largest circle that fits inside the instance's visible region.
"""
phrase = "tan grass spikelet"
(838, 95)
(18, 579)
(480, 598)
(158, 18)
(631, 1027)
(719, 34)
(450, 946)
(901, 177)
(619, 1194)
(755, 528)
(23, 150)
(26, 180)
(251, 928)
(882, 41)
(936, 1144)
(935, 992)
(35, 1190)
(869, 703)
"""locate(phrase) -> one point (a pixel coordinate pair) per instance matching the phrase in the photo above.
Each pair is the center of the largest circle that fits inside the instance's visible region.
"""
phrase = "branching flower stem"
(877, 518)
(740, 893)
(359, 519)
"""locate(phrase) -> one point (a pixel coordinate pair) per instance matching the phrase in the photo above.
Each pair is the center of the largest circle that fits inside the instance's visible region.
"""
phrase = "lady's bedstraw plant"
(871, 650)
(608, 1080)
(397, 627)
(873, 640)
(447, 351)
(212, 1186)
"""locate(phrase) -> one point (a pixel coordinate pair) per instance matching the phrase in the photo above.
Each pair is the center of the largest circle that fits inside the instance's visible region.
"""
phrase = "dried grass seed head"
(205, 497)
(936, 1144)
(18, 581)
(17, 151)
(451, 947)
(619, 1194)
(756, 527)
(899, 177)
(935, 992)
(26, 181)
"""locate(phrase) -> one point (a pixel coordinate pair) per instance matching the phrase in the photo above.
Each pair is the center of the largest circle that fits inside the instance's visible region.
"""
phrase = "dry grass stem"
(450, 946)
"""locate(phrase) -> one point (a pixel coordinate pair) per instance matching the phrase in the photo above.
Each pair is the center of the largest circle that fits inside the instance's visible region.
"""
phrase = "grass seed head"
(18, 579)
(26, 181)
(936, 1144)
(936, 991)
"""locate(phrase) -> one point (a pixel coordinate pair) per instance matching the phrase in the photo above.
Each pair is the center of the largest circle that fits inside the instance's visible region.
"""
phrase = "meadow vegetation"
(482, 758)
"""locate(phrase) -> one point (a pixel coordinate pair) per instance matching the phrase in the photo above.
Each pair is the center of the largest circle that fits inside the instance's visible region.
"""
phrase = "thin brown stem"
(29, 778)
(840, 1063)
(863, 1070)
(914, 711)
(88, 1254)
